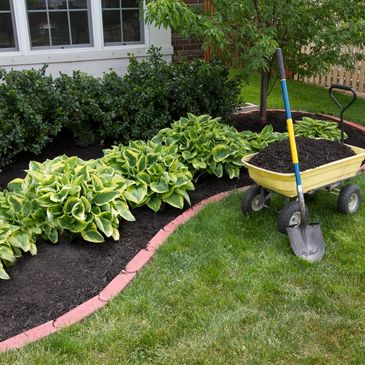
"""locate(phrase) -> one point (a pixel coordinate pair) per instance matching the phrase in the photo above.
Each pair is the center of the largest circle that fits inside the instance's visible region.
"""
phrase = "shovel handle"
(290, 127)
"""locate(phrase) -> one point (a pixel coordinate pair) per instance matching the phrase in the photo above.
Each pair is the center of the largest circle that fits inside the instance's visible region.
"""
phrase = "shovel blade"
(307, 241)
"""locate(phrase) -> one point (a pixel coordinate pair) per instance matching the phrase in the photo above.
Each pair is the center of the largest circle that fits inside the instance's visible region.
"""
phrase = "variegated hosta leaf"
(156, 170)
(205, 144)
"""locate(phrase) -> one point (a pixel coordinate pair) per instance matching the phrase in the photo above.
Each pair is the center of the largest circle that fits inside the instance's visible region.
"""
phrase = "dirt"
(312, 153)
(64, 275)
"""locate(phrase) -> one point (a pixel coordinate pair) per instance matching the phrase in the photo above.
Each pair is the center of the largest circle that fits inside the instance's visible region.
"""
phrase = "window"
(122, 22)
(7, 27)
(59, 23)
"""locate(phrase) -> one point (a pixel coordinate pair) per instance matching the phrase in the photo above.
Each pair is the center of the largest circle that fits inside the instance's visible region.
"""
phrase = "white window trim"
(26, 56)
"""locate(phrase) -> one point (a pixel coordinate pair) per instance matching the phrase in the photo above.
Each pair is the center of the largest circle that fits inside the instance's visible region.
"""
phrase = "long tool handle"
(293, 145)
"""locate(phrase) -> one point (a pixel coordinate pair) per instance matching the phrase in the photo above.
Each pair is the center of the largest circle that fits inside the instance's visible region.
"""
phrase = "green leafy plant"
(313, 128)
(69, 194)
(28, 105)
(157, 171)
(259, 141)
(18, 232)
(205, 144)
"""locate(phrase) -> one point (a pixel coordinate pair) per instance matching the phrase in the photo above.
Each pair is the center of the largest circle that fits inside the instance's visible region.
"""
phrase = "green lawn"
(226, 289)
(304, 97)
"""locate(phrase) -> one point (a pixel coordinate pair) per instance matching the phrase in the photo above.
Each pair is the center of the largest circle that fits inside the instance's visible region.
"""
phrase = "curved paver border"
(116, 286)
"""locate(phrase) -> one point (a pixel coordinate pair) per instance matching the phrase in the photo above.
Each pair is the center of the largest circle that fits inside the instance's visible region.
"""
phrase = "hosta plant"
(259, 141)
(18, 232)
(313, 128)
(14, 240)
(157, 171)
(76, 196)
(205, 144)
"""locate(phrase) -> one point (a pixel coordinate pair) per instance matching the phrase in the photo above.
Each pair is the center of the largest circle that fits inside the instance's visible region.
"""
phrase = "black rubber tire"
(286, 214)
(247, 204)
(345, 201)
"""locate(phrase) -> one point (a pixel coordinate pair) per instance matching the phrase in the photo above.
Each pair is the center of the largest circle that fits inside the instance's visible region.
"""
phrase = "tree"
(245, 33)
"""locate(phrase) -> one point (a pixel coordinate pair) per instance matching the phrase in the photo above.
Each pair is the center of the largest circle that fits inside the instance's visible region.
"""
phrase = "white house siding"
(94, 60)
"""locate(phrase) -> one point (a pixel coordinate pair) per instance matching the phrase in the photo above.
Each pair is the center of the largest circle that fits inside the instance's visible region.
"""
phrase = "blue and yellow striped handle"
(289, 121)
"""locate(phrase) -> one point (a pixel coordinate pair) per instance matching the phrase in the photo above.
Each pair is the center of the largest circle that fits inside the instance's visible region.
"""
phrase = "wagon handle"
(343, 109)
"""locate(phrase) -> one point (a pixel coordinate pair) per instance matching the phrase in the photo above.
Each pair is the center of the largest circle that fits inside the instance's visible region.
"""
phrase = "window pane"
(111, 4)
(57, 4)
(111, 21)
(131, 26)
(59, 28)
(6, 31)
(38, 25)
(4, 5)
(79, 27)
(77, 4)
(36, 4)
(130, 4)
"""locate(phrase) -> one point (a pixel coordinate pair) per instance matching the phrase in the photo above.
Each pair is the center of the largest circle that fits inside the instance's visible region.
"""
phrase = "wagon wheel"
(254, 199)
(290, 216)
(349, 199)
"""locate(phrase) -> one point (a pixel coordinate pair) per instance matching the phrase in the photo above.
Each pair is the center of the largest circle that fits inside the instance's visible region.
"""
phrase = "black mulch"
(63, 275)
(312, 153)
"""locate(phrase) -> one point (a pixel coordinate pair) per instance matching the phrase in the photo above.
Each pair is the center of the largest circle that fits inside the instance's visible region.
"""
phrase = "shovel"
(306, 239)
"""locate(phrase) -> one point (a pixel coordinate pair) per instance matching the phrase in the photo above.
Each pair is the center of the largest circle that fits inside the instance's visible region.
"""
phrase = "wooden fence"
(338, 75)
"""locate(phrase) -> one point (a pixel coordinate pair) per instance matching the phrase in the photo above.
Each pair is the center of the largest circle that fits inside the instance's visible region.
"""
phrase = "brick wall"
(187, 48)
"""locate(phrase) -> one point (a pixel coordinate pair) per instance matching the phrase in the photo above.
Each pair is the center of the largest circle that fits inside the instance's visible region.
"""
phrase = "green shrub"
(27, 112)
(157, 172)
(154, 93)
(79, 107)
(206, 145)
(313, 128)
(34, 107)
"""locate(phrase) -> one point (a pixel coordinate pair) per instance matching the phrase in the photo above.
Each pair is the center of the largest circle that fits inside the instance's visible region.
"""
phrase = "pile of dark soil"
(312, 153)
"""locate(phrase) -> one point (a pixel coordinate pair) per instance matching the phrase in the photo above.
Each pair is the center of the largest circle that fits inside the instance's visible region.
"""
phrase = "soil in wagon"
(64, 275)
(313, 153)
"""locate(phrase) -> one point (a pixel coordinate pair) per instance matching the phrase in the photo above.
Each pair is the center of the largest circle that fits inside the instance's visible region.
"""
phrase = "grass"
(226, 289)
(305, 97)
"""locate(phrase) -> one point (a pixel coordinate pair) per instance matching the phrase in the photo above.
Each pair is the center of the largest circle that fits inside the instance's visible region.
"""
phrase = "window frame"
(121, 9)
(15, 33)
(68, 11)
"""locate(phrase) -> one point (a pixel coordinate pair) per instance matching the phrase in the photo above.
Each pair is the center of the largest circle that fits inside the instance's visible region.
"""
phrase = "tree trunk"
(263, 97)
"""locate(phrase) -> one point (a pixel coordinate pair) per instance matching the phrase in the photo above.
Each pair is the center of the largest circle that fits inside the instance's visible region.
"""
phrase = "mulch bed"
(64, 275)
(312, 153)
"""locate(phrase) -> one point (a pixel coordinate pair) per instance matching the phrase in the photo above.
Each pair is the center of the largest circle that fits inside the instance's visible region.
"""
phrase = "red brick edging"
(116, 286)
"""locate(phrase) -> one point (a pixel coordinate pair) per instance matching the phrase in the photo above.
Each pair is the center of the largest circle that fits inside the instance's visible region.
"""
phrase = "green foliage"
(313, 128)
(246, 32)
(259, 141)
(69, 194)
(205, 144)
(34, 107)
(27, 112)
(154, 93)
(79, 107)
(158, 174)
